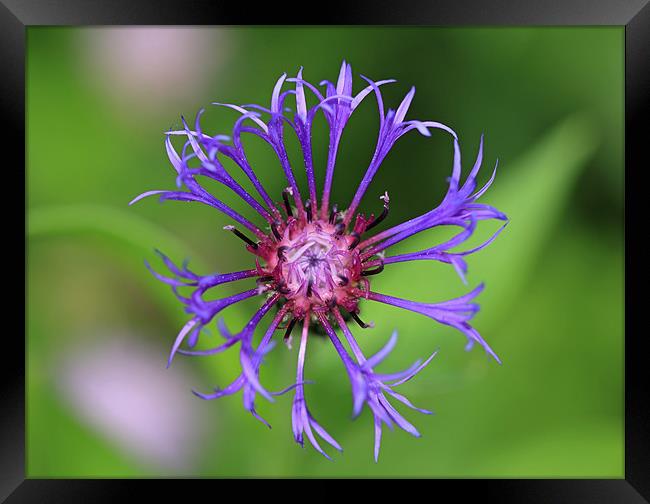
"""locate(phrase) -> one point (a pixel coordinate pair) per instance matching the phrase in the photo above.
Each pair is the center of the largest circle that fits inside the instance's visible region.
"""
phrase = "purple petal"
(414, 372)
(408, 403)
(383, 353)
(275, 104)
(247, 114)
(365, 92)
(324, 434)
(179, 339)
(301, 104)
(404, 106)
(144, 195)
(377, 438)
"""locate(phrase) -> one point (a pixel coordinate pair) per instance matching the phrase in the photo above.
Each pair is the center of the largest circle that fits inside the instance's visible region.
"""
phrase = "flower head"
(313, 261)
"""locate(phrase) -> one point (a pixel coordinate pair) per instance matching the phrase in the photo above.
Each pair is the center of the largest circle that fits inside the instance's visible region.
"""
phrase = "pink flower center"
(316, 268)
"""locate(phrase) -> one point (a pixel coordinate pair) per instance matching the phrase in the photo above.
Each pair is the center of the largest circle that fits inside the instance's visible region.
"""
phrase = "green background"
(550, 102)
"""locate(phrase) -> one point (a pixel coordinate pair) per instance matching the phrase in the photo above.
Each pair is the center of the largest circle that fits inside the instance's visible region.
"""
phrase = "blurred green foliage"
(550, 102)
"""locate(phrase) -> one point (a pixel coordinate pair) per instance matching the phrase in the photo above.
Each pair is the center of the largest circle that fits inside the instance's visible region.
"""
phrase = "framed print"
(394, 234)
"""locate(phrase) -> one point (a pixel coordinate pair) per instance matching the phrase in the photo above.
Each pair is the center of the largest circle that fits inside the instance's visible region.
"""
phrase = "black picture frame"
(634, 15)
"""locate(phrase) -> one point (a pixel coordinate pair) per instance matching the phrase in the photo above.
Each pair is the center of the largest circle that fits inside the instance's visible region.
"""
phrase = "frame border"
(634, 15)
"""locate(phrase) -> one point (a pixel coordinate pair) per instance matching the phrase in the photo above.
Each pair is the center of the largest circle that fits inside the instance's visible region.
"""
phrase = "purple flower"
(313, 261)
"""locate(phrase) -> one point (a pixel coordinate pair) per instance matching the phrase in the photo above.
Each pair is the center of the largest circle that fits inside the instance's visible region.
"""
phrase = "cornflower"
(313, 261)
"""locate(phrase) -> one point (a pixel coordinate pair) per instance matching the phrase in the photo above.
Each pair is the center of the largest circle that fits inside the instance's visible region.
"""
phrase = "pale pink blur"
(118, 385)
(150, 68)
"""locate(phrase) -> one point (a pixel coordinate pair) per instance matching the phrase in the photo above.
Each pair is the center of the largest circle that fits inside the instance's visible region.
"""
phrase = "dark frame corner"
(634, 15)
